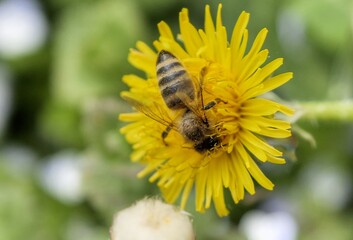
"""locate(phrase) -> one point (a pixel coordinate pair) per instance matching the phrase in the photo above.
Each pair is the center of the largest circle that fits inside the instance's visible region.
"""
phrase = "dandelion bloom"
(242, 120)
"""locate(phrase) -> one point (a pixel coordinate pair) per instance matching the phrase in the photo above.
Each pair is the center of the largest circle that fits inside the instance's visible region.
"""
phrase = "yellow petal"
(144, 48)
(186, 193)
(220, 205)
(257, 142)
(165, 31)
(276, 81)
(143, 62)
(259, 176)
(249, 68)
(259, 106)
(243, 173)
(225, 172)
(238, 37)
(189, 34)
(201, 189)
(276, 160)
(209, 26)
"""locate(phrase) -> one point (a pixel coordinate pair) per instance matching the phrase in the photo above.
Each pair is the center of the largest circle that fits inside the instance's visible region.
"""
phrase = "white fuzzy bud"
(151, 219)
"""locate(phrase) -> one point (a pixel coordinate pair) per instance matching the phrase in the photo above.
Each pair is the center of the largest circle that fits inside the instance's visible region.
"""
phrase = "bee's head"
(207, 144)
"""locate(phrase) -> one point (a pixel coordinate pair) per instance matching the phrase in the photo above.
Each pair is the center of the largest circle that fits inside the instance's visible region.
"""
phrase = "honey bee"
(179, 94)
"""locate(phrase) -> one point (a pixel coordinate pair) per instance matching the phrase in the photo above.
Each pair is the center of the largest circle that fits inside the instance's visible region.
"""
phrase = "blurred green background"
(64, 167)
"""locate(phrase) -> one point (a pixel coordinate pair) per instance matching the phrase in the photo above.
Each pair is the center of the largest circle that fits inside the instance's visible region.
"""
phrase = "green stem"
(336, 111)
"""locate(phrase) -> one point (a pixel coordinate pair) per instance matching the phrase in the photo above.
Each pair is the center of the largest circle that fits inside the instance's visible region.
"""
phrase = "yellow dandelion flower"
(216, 86)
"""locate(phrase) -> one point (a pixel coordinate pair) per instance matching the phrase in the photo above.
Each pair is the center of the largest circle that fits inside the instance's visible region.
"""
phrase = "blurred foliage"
(66, 96)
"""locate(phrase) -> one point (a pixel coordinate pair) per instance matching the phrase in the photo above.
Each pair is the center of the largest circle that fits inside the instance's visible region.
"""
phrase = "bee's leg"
(213, 103)
(209, 106)
(165, 133)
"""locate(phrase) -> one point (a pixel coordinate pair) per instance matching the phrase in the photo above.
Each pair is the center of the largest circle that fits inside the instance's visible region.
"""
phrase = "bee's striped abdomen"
(173, 80)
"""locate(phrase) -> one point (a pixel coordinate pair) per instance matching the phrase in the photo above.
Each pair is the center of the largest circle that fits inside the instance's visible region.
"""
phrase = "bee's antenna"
(202, 74)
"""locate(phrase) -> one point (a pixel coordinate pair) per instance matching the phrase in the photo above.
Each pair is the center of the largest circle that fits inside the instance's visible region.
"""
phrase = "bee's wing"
(154, 112)
(192, 105)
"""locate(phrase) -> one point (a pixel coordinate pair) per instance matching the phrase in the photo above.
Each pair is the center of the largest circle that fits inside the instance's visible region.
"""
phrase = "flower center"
(221, 102)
